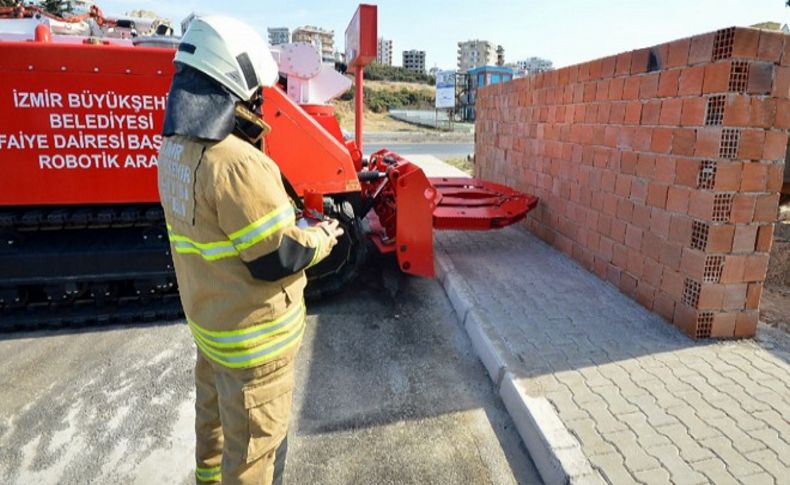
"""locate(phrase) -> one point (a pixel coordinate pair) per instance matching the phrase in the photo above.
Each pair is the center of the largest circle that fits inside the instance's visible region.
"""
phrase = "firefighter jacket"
(239, 257)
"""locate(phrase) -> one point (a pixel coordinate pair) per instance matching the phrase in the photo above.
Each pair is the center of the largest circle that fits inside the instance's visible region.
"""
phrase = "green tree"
(56, 7)
(8, 3)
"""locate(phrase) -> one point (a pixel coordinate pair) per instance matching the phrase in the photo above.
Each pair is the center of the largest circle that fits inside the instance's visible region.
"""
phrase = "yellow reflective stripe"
(258, 355)
(210, 251)
(213, 474)
(247, 341)
(319, 247)
(248, 330)
(264, 227)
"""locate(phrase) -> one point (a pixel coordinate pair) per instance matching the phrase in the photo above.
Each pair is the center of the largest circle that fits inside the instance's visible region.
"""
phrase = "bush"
(379, 72)
(380, 101)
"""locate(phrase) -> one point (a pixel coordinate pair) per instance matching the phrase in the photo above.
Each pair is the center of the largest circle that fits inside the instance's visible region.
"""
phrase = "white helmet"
(229, 51)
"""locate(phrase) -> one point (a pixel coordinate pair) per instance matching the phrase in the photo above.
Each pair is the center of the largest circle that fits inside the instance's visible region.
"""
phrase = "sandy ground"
(388, 391)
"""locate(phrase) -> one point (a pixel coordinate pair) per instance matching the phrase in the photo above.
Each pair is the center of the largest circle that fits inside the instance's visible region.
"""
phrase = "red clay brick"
(641, 216)
(651, 111)
(623, 185)
(765, 238)
(775, 145)
(617, 113)
(737, 110)
(645, 295)
(627, 284)
(717, 78)
(763, 112)
(633, 237)
(690, 81)
(678, 199)
(781, 88)
(756, 267)
(770, 46)
(760, 77)
(746, 324)
(643, 138)
(668, 83)
(693, 113)
(635, 263)
(664, 169)
(669, 254)
(745, 238)
(754, 177)
(692, 262)
(607, 66)
(670, 111)
(672, 283)
(616, 88)
(664, 305)
(639, 61)
(701, 49)
(678, 53)
(638, 190)
(708, 142)
(733, 269)
(728, 176)
(625, 210)
(720, 238)
(648, 86)
(746, 43)
(623, 64)
(651, 271)
(633, 112)
(657, 194)
(711, 297)
(662, 140)
(742, 208)
(631, 88)
(766, 208)
(751, 144)
(685, 319)
(686, 172)
(701, 205)
(753, 294)
(723, 325)
(660, 223)
(645, 165)
(683, 141)
(628, 162)
(734, 297)
(775, 177)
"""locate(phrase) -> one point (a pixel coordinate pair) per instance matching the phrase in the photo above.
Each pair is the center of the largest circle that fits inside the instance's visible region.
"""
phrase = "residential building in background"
(279, 35)
(477, 78)
(384, 52)
(500, 55)
(474, 53)
(414, 61)
(322, 39)
(534, 65)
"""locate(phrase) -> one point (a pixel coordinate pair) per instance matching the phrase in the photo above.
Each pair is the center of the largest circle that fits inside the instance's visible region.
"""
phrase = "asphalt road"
(444, 151)
(388, 391)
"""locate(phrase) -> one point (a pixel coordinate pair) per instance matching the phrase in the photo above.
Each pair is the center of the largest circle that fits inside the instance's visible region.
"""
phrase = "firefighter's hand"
(332, 228)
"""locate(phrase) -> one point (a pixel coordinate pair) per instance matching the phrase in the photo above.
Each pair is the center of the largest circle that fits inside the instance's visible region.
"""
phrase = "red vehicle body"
(79, 214)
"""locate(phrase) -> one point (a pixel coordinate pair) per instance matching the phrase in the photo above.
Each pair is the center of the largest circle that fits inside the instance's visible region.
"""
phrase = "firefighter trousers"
(241, 421)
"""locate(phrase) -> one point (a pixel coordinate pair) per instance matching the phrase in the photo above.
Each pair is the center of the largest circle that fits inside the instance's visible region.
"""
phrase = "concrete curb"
(556, 452)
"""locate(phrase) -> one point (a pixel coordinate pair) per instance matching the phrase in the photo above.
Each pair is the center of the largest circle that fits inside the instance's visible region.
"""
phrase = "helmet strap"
(249, 125)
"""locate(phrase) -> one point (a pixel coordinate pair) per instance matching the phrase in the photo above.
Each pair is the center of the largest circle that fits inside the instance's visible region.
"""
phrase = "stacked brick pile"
(658, 169)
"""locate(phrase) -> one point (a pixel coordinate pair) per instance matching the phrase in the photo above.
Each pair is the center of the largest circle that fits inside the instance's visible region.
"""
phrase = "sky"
(564, 31)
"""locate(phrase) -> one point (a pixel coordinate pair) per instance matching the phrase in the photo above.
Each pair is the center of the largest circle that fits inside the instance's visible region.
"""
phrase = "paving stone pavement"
(646, 403)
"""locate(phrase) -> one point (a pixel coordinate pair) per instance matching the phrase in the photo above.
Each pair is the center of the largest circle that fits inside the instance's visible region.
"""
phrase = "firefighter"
(239, 255)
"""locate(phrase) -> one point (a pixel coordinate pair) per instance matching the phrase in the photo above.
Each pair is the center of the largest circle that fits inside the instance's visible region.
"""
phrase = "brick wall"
(658, 169)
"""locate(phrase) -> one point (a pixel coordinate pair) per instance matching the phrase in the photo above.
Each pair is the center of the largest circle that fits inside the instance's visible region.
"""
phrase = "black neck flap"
(198, 107)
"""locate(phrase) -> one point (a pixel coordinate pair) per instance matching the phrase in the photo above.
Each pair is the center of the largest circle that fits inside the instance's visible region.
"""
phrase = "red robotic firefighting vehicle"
(82, 234)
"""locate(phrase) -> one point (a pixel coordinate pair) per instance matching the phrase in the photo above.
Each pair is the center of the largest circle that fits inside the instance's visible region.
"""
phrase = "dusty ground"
(775, 303)
(388, 391)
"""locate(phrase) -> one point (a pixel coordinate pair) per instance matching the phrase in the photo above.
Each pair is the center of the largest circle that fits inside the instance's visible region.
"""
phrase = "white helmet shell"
(229, 51)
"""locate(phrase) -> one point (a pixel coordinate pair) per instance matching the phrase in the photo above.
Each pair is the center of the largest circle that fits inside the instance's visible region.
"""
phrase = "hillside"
(380, 95)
